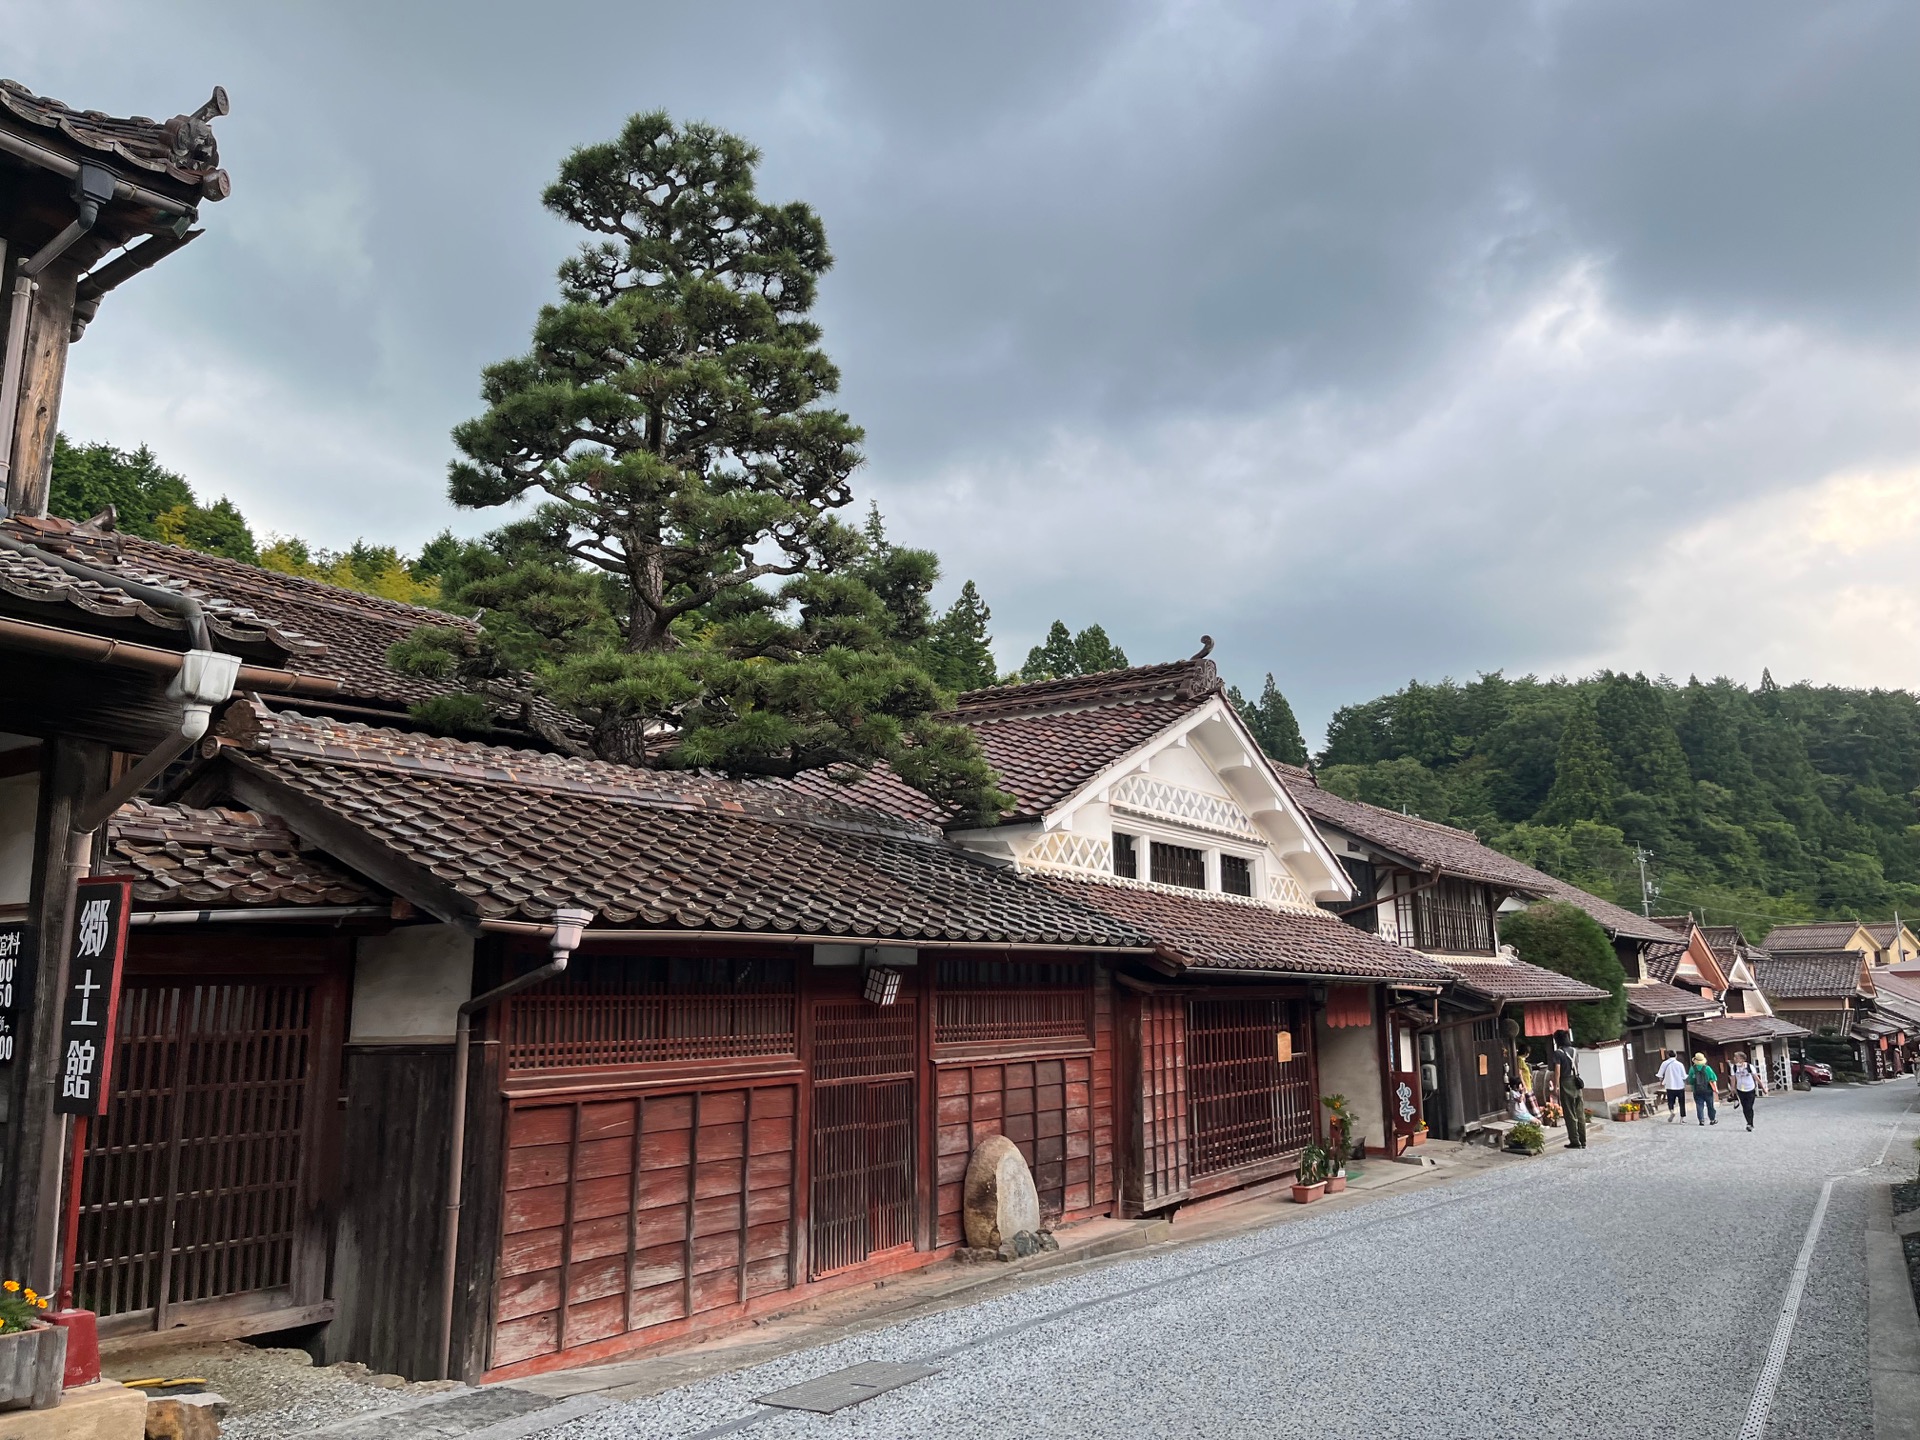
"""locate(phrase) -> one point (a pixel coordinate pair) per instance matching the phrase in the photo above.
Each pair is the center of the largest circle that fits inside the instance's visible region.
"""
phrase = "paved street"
(1629, 1291)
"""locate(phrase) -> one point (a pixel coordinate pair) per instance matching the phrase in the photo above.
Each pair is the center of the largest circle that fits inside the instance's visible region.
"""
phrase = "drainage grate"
(836, 1391)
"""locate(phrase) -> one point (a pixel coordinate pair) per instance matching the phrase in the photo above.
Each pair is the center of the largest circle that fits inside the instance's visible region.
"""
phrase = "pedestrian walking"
(1747, 1085)
(1702, 1077)
(1573, 1096)
(1673, 1075)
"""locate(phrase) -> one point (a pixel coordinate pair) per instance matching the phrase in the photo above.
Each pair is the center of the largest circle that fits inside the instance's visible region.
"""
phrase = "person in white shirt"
(1673, 1075)
(1519, 1103)
(1747, 1084)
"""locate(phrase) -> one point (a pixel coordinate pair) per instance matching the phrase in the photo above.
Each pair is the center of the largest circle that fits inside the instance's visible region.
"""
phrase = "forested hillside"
(1792, 802)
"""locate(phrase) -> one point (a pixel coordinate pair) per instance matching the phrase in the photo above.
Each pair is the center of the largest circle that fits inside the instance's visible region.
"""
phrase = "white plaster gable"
(1201, 783)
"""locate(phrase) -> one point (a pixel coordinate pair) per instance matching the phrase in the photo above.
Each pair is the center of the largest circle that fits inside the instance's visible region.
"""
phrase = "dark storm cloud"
(1376, 340)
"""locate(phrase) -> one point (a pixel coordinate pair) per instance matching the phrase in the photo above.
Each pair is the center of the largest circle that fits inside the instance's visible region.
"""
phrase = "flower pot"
(1307, 1194)
(1336, 1184)
(32, 1366)
(1419, 1137)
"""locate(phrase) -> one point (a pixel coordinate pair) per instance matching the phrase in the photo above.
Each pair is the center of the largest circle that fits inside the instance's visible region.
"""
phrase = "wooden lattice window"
(1245, 1103)
(619, 1011)
(1236, 875)
(980, 1001)
(1452, 917)
(1126, 857)
(1179, 865)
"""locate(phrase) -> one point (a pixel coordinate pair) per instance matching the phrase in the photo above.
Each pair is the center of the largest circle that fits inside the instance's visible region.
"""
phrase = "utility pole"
(1646, 889)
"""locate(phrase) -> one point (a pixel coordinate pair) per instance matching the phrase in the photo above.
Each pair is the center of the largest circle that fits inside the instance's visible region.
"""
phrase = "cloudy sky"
(1378, 341)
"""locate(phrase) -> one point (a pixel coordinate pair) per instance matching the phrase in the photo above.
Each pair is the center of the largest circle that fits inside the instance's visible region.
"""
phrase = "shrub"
(1565, 939)
(1528, 1137)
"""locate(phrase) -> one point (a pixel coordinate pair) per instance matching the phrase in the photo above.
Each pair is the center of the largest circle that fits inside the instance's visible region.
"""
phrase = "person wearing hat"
(1702, 1077)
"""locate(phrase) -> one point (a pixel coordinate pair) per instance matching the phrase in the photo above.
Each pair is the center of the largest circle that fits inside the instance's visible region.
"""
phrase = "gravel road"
(1631, 1290)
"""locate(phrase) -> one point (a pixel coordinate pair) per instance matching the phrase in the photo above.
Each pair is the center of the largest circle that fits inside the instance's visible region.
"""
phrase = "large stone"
(100, 1411)
(179, 1419)
(999, 1201)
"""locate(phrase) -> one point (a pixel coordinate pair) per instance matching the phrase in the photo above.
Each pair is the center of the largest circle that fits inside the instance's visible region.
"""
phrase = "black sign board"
(100, 917)
(13, 976)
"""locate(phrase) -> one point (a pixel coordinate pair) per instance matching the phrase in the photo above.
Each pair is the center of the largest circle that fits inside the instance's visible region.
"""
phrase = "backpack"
(1702, 1076)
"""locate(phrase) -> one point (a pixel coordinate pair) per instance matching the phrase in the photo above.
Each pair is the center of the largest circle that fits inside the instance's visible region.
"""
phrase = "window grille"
(978, 1001)
(1236, 875)
(1178, 865)
(1246, 1104)
(617, 1011)
(1452, 917)
(1126, 861)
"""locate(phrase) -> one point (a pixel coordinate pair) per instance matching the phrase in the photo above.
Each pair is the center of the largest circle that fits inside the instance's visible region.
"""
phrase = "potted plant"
(33, 1354)
(1419, 1136)
(1526, 1138)
(1339, 1141)
(1311, 1181)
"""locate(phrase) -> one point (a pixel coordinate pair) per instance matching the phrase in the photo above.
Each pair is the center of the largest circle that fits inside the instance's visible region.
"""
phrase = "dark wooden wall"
(394, 1174)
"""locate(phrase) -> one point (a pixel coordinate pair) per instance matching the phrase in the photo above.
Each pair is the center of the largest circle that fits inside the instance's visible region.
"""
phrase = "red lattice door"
(865, 1094)
(198, 1196)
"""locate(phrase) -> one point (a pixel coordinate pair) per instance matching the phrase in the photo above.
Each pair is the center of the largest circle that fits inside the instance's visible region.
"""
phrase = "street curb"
(1893, 1325)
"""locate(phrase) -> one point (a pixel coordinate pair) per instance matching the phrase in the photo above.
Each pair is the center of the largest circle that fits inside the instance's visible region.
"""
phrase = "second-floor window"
(1177, 865)
(1126, 857)
(1452, 917)
(1236, 875)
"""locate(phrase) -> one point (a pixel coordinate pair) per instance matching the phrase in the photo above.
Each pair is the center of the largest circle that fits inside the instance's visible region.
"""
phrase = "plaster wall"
(1350, 1066)
(1181, 765)
(19, 808)
(1603, 1071)
(409, 984)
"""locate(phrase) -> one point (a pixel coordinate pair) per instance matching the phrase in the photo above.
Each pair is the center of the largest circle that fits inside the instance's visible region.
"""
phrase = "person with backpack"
(1701, 1076)
(1747, 1085)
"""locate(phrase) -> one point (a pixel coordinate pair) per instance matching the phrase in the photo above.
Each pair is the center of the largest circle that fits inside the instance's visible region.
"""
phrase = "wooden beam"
(42, 374)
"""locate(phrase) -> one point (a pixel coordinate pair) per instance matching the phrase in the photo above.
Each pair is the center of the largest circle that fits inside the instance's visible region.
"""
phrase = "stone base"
(1027, 1242)
(103, 1410)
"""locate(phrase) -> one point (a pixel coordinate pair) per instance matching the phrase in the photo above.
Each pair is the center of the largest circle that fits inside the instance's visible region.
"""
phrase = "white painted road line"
(1762, 1404)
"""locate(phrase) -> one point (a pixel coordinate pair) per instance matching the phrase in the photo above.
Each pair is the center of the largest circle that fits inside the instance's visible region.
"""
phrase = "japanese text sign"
(100, 917)
(13, 955)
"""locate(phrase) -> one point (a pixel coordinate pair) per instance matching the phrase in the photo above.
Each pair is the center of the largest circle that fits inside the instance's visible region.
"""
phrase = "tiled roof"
(157, 148)
(1516, 980)
(1725, 941)
(1823, 935)
(1212, 932)
(1840, 1022)
(1732, 1029)
(1658, 1001)
(182, 858)
(1681, 925)
(1049, 738)
(333, 633)
(1902, 982)
(1433, 846)
(1663, 961)
(1897, 1006)
(1806, 974)
(516, 834)
(33, 588)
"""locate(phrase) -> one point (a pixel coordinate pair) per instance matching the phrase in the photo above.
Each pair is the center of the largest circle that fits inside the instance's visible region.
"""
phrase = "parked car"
(1813, 1072)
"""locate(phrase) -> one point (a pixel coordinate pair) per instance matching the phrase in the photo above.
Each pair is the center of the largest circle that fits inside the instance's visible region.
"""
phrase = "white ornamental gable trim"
(1145, 795)
(1082, 858)
(1070, 854)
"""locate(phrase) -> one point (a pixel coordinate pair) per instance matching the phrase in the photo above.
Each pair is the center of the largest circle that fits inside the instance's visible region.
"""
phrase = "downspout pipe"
(172, 601)
(565, 939)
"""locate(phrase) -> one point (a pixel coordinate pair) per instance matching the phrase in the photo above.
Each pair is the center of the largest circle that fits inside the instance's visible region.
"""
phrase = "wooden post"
(30, 1148)
(43, 372)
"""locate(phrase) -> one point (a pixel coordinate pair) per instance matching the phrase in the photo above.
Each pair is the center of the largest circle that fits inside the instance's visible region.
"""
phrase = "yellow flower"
(31, 1297)
(41, 1303)
(13, 1285)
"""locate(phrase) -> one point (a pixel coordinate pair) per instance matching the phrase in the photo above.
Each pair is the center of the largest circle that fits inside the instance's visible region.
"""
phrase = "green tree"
(686, 588)
(1583, 782)
(1065, 654)
(88, 478)
(1565, 939)
(1272, 722)
(960, 650)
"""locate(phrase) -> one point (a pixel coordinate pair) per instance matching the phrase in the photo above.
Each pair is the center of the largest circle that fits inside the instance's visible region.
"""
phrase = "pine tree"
(687, 576)
(1583, 782)
(1273, 725)
(1093, 652)
(960, 652)
(1055, 660)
